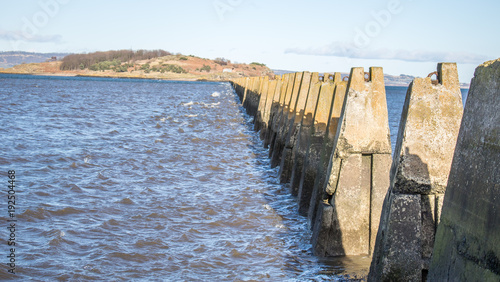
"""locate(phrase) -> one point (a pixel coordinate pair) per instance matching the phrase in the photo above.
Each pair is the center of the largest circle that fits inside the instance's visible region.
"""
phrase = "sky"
(402, 36)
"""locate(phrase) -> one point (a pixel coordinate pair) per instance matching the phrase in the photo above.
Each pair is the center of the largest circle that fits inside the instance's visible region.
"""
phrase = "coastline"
(118, 77)
(219, 77)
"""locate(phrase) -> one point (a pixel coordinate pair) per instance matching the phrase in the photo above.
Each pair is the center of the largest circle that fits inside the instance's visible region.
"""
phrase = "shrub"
(222, 61)
(75, 61)
(258, 64)
(206, 68)
(183, 58)
(122, 68)
(172, 68)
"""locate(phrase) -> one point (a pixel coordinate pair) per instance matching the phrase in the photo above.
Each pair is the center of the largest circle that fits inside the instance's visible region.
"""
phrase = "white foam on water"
(216, 94)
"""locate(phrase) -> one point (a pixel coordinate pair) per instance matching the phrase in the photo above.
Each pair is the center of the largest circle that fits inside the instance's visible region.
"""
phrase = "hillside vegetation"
(156, 64)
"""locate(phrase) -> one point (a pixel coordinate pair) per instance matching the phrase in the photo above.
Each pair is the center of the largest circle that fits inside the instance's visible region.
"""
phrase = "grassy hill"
(145, 65)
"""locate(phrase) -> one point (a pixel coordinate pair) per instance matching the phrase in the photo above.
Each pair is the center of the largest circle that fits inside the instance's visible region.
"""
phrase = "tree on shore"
(83, 61)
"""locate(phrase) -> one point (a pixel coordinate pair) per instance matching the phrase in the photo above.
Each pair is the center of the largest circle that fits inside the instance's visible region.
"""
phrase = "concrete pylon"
(248, 92)
(272, 96)
(312, 139)
(236, 83)
(276, 108)
(294, 80)
(306, 94)
(315, 171)
(263, 93)
(283, 124)
(424, 151)
(467, 245)
(358, 171)
(244, 87)
(304, 133)
(252, 98)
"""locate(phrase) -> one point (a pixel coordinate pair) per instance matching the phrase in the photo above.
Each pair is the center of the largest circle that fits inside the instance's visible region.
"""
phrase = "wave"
(188, 104)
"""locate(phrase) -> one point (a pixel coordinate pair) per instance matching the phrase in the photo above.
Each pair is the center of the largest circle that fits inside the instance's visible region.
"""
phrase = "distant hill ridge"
(9, 59)
(390, 80)
(150, 64)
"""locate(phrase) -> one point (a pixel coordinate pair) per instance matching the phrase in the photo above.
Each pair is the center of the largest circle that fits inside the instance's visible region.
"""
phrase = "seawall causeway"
(331, 140)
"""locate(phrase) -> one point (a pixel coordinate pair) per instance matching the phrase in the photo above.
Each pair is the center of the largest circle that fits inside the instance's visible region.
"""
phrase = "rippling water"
(153, 180)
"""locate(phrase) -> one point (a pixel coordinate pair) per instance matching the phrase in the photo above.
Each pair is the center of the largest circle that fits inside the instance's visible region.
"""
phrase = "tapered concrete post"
(424, 151)
(305, 132)
(312, 138)
(253, 96)
(283, 124)
(344, 222)
(315, 171)
(292, 129)
(467, 245)
(295, 78)
(237, 87)
(272, 99)
(249, 95)
(277, 108)
(269, 93)
(243, 88)
(263, 91)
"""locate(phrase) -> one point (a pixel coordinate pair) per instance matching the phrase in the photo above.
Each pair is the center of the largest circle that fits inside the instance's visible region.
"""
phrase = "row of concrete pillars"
(331, 140)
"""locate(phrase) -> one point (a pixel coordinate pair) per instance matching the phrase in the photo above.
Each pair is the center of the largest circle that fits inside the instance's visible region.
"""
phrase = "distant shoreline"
(117, 77)
(64, 74)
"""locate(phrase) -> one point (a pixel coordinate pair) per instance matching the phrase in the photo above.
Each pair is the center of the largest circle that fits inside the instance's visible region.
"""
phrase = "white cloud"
(339, 49)
(20, 36)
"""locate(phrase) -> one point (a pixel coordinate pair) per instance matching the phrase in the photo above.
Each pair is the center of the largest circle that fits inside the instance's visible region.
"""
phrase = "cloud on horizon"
(339, 49)
(20, 36)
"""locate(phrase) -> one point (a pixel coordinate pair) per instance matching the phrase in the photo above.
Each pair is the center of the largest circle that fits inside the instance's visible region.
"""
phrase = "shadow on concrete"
(408, 216)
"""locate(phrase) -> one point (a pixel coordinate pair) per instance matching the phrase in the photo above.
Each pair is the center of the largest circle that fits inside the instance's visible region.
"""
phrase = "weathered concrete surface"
(272, 98)
(263, 93)
(284, 122)
(424, 150)
(277, 108)
(467, 245)
(312, 138)
(252, 97)
(248, 87)
(315, 170)
(248, 81)
(346, 227)
(305, 133)
(293, 86)
(240, 85)
(309, 88)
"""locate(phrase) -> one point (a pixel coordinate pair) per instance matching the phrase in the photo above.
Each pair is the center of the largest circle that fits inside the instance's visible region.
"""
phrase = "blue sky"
(402, 36)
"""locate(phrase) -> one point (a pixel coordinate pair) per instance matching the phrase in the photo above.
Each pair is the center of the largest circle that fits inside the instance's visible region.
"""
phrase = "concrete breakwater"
(331, 140)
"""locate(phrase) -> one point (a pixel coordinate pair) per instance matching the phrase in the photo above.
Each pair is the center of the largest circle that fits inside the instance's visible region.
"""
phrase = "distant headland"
(149, 64)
